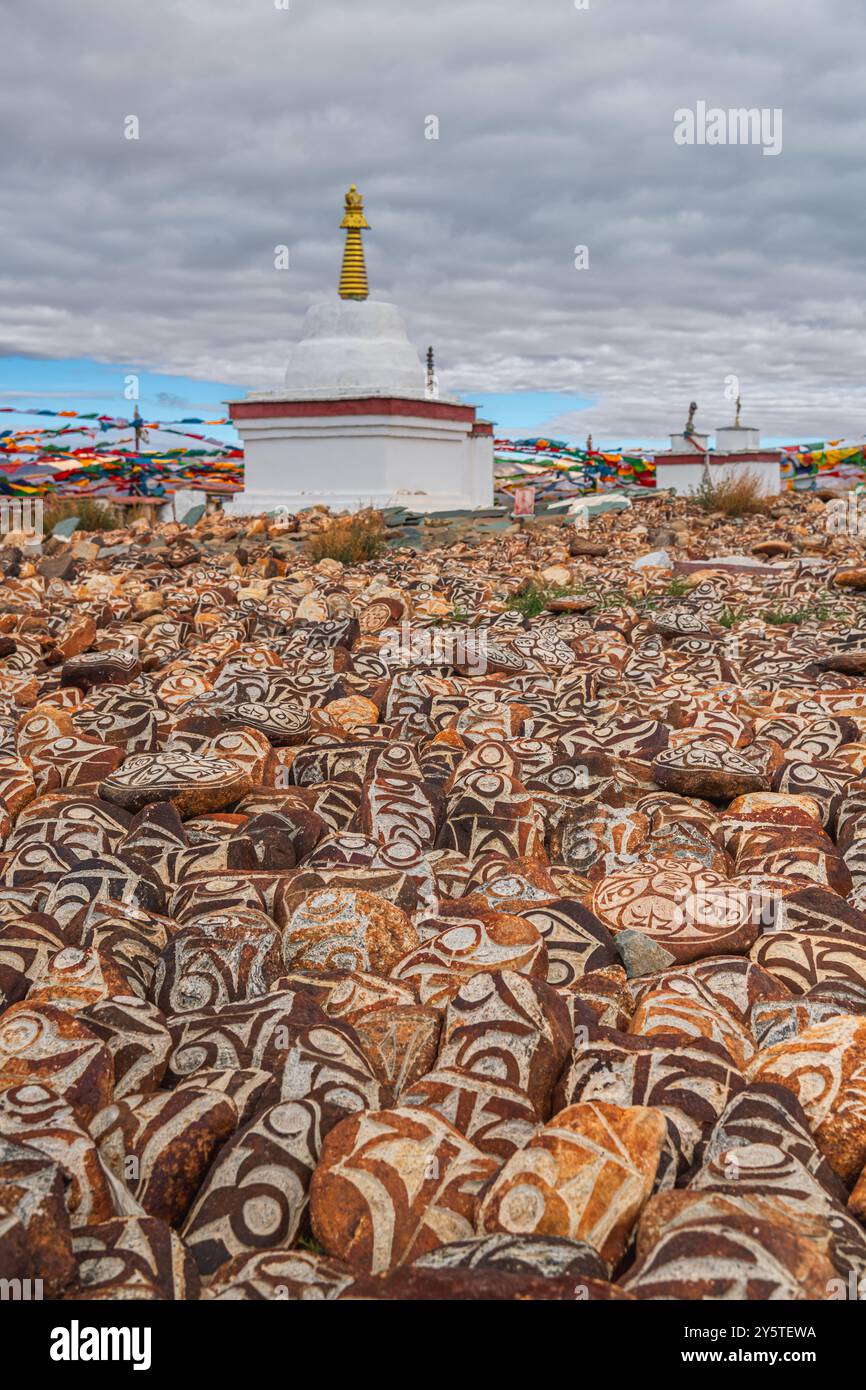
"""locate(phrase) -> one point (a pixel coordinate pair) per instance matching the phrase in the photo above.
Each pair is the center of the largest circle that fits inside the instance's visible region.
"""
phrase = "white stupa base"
(686, 476)
(368, 451)
(254, 503)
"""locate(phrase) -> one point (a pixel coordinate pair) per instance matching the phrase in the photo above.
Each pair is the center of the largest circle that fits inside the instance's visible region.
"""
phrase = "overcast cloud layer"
(555, 129)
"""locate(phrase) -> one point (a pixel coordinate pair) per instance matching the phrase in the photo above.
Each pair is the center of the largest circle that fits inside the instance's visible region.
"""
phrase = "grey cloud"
(556, 129)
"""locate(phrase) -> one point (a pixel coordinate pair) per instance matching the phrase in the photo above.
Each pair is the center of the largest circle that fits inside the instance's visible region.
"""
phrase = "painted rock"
(214, 962)
(33, 1188)
(252, 1033)
(499, 941)
(584, 1176)
(393, 1184)
(194, 784)
(325, 1063)
(824, 1067)
(400, 1042)
(803, 959)
(47, 1046)
(575, 939)
(690, 913)
(344, 929)
(549, 1256)
(132, 1257)
(508, 1027)
(161, 1145)
(285, 1275)
(691, 1083)
(495, 1116)
(33, 1114)
(702, 768)
(249, 1089)
(738, 1257)
(255, 1194)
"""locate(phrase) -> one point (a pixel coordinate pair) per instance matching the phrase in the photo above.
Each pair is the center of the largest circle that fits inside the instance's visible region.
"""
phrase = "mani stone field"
(485, 920)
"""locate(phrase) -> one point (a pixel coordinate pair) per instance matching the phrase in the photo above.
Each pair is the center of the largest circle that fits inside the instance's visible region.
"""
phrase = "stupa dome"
(354, 347)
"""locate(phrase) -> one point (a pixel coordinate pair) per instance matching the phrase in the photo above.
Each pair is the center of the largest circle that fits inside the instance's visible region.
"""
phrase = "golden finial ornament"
(353, 276)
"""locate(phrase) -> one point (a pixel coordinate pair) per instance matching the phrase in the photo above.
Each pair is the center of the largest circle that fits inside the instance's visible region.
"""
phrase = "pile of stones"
(487, 920)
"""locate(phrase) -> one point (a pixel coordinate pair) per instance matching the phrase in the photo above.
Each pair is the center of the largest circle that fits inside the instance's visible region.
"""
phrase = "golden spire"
(353, 276)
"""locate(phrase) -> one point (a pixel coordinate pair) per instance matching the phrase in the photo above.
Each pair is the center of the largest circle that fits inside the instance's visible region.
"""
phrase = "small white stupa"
(359, 421)
(691, 462)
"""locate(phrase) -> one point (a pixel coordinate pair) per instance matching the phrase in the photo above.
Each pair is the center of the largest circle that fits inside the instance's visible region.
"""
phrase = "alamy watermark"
(21, 1291)
(739, 125)
(407, 645)
(21, 515)
(846, 516)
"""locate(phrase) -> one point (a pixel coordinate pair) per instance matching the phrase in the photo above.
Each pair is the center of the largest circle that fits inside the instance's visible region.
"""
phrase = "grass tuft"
(780, 617)
(92, 515)
(531, 600)
(737, 495)
(349, 539)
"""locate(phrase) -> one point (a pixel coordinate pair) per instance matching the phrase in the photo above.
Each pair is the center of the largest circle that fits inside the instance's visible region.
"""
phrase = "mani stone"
(344, 929)
(250, 1090)
(212, 962)
(440, 966)
(255, 1195)
(689, 912)
(690, 1083)
(391, 1185)
(135, 1033)
(495, 1116)
(824, 1067)
(325, 1063)
(252, 1033)
(575, 940)
(35, 1115)
(549, 1256)
(510, 1028)
(161, 1145)
(350, 995)
(681, 1012)
(737, 1257)
(51, 1047)
(132, 1257)
(585, 1176)
(400, 1042)
(282, 1275)
(32, 1191)
(193, 784)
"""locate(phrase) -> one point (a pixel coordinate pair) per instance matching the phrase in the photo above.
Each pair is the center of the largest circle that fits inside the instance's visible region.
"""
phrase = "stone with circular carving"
(344, 929)
(702, 768)
(45, 1045)
(690, 912)
(194, 784)
(391, 1185)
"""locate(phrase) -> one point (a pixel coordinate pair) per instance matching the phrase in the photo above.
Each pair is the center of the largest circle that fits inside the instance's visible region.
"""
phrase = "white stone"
(654, 559)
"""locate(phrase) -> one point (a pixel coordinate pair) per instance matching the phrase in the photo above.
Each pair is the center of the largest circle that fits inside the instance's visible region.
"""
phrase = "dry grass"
(92, 515)
(740, 494)
(349, 539)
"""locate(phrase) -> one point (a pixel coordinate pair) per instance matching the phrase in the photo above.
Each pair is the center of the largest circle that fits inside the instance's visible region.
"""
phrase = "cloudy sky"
(555, 130)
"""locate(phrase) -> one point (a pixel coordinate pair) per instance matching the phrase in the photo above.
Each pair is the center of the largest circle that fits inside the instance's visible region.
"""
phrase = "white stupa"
(691, 462)
(359, 421)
